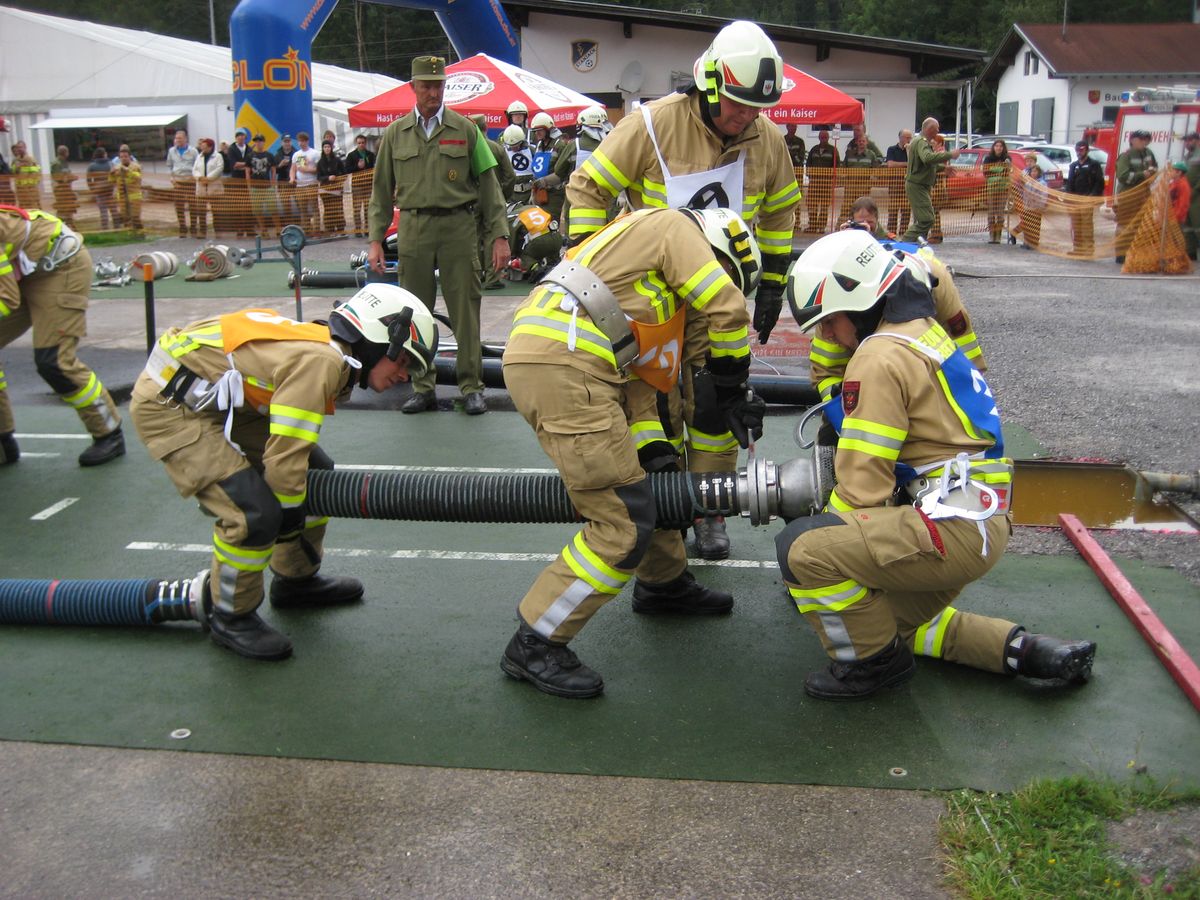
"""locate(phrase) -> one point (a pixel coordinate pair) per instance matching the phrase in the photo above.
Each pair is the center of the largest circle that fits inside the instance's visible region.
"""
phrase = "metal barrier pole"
(148, 283)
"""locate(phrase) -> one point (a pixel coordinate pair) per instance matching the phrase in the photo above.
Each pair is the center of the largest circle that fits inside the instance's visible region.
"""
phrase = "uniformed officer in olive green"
(923, 165)
(435, 166)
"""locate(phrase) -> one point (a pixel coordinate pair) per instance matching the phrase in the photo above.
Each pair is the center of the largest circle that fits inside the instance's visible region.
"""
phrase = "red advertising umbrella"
(809, 101)
(480, 84)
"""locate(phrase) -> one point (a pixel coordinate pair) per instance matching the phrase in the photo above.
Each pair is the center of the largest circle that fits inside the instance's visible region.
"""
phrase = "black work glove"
(707, 415)
(767, 304)
(744, 411)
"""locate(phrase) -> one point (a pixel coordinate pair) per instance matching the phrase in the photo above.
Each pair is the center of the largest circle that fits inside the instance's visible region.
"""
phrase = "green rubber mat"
(412, 676)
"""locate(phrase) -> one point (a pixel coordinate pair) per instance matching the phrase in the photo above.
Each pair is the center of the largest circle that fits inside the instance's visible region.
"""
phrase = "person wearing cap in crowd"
(1085, 178)
(708, 145)
(358, 165)
(490, 278)
(435, 165)
(45, 277)
(233, 407)
(288, 214)
(66, 203)
(1191, 156)
(264, 204)
(237, 195)
(1135, 166)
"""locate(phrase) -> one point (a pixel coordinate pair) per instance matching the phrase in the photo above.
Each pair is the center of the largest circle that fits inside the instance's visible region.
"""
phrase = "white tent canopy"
(118, 73)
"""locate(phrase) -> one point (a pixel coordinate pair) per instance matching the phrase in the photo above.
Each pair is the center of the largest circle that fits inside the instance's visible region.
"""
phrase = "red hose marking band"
(50, 601)
(362, 497)
(1173, 657)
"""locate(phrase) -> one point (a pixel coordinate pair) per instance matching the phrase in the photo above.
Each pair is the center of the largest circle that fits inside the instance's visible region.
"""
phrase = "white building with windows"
(1055, 82)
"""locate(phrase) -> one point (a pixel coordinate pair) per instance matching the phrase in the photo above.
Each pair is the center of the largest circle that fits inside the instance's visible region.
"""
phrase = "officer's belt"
(601, 305)
(177, 383)
(441, 210)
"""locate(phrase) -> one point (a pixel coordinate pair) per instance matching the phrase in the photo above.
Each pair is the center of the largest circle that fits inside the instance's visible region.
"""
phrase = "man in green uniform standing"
(436, 167)
(1135, 167)
(923, 164)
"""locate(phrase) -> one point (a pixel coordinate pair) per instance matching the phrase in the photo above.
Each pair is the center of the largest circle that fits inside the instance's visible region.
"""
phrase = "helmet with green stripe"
(847, 271)
(733, 241)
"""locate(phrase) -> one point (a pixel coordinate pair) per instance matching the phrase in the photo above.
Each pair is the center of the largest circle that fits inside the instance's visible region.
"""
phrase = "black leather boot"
(420, 401)
(1043, 656)
(712, 540)
(315, 590)
(248, 636)
(683, 596)
(9, 451)
(549, 667)
(890, 667)
(103, 449)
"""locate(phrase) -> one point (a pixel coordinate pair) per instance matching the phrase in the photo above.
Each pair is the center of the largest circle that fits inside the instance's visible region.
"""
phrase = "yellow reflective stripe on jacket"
(601, 170)
(184, 342)
(584, 221)
(829, 354)
(837, 504)
(711, 443)
(786, 196)
(3, 381)
(828, 598)
(292, 421)
(872, 438)
(989, 471)
(968, 343)
(650, 431)
(590, 568)
(826, 385)
(244, 558)
(555, 325)
(653, 193)
(731, 344)
(705, 284)
(661, 298)
(928, 639)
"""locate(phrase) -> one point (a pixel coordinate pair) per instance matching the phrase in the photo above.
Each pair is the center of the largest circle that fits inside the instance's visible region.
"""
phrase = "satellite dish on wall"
(631, 78)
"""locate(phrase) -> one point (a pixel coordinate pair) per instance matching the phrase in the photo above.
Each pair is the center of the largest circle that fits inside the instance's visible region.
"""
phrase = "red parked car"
(965, 179)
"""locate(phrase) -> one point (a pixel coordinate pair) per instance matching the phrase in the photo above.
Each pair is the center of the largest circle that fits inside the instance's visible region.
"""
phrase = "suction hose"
(95, 602)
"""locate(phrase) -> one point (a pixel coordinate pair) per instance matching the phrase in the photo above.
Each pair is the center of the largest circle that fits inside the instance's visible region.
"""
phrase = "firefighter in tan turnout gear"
(921, 503)
(233, 407)
(615, 308)
(705, 147)
(45, 276)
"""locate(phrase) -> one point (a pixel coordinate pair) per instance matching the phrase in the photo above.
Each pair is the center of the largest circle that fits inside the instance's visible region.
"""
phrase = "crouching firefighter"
(590, 349)
(233, 407)
(45, 276)
(921, 503)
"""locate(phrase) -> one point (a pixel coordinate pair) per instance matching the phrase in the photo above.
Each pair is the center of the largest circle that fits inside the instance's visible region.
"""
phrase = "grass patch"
(113, 238)
(1051, 840)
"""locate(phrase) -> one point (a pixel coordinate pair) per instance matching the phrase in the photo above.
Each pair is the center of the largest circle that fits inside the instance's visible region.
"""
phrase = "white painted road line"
(456, 555)
(52, 510)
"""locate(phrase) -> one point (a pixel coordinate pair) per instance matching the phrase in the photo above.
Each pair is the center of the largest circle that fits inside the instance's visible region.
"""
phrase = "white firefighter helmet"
(542, 120)
(741, 63)
(732, 240)
(517, 107)
(388, 319)
(512, 136)
(847, 271)
(593, 117)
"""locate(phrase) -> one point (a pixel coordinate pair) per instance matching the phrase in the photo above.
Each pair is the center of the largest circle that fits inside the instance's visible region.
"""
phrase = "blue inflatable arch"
(272, 54)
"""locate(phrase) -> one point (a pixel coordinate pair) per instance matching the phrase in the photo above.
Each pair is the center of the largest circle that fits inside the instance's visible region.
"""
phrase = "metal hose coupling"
(798, 487)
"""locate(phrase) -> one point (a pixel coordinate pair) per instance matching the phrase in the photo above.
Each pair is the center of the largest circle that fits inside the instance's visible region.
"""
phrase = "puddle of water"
(1101, 496)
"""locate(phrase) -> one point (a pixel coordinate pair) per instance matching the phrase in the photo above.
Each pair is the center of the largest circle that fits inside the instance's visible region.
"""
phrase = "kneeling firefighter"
(233, 407)
(590, 349)
(921, 503)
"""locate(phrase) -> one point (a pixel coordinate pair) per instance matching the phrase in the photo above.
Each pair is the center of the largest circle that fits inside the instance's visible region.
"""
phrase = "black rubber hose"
(93, 602)
(679, 497)
(355, 279)
(783, 390)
